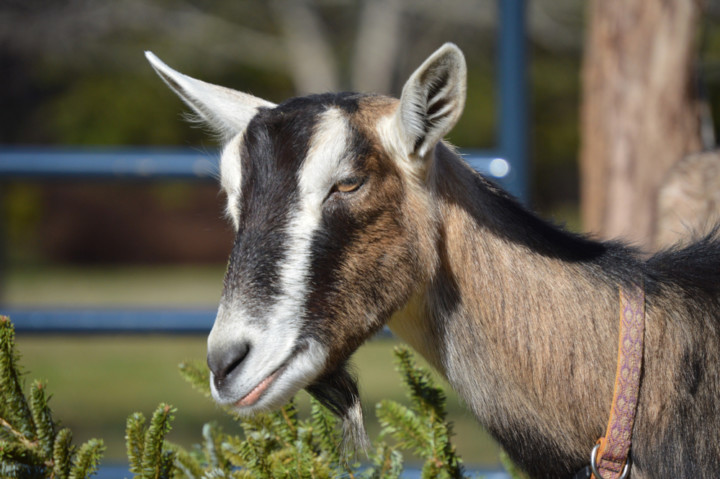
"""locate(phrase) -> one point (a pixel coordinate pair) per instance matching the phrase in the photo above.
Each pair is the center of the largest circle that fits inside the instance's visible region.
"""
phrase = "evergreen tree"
(32, 443)
(280, 444)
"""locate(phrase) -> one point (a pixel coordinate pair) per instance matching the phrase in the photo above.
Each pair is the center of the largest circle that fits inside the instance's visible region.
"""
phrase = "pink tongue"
(255, 394)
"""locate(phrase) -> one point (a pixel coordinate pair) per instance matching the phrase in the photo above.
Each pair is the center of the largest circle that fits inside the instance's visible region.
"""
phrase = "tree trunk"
(377, 45)
(639, 115)
(310, 57)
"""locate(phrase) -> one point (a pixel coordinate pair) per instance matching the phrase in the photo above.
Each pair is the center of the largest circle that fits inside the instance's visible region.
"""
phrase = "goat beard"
(338, 391)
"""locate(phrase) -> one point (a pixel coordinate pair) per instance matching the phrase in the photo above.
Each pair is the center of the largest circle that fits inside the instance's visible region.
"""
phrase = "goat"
(351, 213)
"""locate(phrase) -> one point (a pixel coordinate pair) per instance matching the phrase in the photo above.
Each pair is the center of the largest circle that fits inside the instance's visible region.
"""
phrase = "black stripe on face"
(273, 148)
(275, 144)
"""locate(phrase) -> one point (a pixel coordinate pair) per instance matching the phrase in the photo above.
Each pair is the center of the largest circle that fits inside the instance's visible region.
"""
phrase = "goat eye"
(350, 184)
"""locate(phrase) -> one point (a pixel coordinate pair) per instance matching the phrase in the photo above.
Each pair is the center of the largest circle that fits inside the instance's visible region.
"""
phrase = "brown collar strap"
(610, 457)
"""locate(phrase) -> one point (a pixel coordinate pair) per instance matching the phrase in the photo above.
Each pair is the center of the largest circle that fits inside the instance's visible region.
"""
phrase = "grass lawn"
(97, 381)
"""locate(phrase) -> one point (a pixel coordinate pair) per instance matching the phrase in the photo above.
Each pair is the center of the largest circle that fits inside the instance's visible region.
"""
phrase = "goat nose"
(223, 361)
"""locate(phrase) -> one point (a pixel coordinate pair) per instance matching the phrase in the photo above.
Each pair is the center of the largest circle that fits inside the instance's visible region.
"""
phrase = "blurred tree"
(639, 111)
(75, 73)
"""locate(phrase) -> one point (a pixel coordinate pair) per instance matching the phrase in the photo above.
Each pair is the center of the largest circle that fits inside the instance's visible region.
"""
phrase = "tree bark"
(639, 115)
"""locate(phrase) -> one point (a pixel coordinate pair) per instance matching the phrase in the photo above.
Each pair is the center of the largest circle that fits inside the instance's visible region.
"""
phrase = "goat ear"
(226, 111)
(432, 100)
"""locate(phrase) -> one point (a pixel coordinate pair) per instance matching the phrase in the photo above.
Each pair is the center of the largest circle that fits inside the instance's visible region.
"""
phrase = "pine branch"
(326, 433)
(198, 375)
(14, 407)
(32, 445)
(212, 446)
(387, 462)
(42, 417)
(255, 449)
(135, 441)
(187, 465)
(231, 446)
(215, 474)
(285, 423)
(15, 434)
(156, 462)
(13, 469)
(429, 402)
(243, 474)
(422, 391)
(15, 452)
(87, 459)
(404, 426)
(304, 457)
(166, 465)
(62, 454)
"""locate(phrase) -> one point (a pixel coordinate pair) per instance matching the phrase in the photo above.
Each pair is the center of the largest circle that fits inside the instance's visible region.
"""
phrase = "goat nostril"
(223, 362)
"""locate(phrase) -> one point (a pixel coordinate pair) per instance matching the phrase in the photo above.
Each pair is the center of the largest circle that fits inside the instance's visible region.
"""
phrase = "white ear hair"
(432, 100)
(225, 110)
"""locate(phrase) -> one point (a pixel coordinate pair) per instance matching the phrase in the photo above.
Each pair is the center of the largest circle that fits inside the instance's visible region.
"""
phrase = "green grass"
(97, 381)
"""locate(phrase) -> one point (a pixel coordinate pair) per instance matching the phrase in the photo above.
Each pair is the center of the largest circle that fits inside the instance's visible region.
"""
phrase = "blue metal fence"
(114, 163)
(159, 163)
(32, 163)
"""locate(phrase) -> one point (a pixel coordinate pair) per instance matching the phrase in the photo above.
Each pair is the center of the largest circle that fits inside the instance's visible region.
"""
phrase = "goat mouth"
(258, 391)
(254, 396)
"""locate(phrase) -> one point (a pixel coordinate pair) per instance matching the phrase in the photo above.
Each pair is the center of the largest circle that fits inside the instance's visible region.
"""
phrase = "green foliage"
(31, 442)
(14, 408)
(87, 459)
(422, 428)
(280, 444)
(198, 375)
(148, 455)
(275, 445)
(62, 453)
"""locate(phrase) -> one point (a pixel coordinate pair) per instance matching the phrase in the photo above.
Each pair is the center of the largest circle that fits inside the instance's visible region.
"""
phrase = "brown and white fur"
(352, 213)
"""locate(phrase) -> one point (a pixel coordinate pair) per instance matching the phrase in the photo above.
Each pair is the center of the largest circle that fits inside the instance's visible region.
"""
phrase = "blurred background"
(73, 73)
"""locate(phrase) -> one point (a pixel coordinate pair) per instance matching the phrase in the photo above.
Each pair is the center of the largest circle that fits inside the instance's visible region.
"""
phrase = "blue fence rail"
(113, 163)
(120, 163)
(143, 164)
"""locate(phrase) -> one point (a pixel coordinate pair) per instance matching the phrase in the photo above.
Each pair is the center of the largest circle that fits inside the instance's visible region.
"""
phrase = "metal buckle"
(593, 465)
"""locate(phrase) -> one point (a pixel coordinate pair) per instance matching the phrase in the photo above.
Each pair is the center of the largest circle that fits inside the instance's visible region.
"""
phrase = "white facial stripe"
(230, 177)
(275, 336)
(318, 173)
(324, 164)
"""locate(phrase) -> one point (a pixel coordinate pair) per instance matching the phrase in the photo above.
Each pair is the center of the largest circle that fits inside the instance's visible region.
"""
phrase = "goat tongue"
(338, 391)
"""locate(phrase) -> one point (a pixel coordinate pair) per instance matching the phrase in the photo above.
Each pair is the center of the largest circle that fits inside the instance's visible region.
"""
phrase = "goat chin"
(338, 391)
